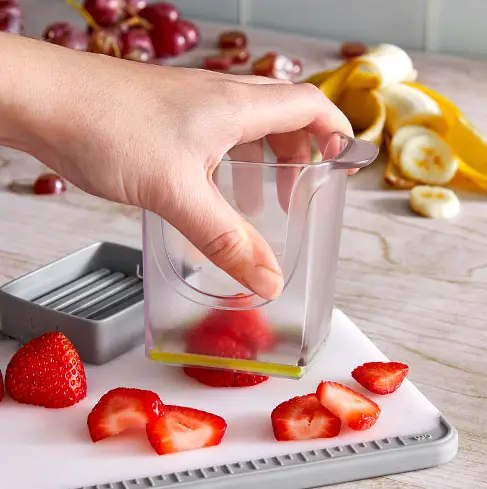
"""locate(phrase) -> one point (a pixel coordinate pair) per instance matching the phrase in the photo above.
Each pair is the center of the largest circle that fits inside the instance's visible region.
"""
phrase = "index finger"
(282, 108)
(286, 114)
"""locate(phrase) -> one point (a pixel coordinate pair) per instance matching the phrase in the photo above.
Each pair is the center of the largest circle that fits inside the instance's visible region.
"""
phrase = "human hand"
(152, 136)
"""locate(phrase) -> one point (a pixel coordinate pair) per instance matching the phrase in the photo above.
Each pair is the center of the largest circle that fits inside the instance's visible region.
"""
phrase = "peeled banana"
(406, 105)
(434, 202)
(382, 66)
(378, 93)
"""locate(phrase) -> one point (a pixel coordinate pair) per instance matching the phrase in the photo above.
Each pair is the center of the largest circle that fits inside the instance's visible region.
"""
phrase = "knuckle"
(234, 100)
(227, 249)
(312, 90)
(235, 95)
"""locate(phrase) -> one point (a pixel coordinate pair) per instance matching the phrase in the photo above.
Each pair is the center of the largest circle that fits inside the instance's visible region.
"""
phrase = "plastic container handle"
(345, 153)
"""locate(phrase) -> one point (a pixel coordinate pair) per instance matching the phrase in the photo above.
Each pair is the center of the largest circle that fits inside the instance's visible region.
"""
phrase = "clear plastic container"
(292, 190)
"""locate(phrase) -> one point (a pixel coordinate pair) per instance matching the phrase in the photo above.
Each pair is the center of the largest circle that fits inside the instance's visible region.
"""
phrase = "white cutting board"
(51, 449)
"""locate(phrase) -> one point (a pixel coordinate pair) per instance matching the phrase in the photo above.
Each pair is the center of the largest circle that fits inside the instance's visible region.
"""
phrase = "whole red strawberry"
(47, 371)
(1, 386)
(217, 345)
(248, 327)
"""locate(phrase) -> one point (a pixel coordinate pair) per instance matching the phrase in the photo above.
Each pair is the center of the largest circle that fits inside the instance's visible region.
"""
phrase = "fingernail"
(264, 282)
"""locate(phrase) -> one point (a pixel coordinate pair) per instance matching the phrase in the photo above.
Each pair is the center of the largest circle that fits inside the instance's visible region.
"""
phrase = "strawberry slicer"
(291, 188)
(93, 296)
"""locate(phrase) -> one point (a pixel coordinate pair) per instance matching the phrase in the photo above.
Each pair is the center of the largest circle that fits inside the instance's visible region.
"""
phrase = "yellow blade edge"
(250, 366)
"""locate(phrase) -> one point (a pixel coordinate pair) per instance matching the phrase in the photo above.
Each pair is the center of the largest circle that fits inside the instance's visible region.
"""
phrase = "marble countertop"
(416, 287)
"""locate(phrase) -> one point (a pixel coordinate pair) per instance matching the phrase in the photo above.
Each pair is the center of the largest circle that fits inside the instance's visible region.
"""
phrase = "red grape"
(169, 38)
(59, 29)
(238, 56)
(12, 7)
(274, 65)
(137, 45)
(298, 66)
(352, 49)
(190, 32)
(105, 12)
(168, 41)
(77, 40)
(64, 34)
(264, 66)
(232, 39)
(160, 13)
(105, 40)
(218, 63)
(11, 23)
(11, 17)
(49, 184)
(133, 7)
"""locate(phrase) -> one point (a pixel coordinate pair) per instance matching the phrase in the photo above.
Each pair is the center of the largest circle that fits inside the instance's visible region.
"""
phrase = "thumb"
(229, 241)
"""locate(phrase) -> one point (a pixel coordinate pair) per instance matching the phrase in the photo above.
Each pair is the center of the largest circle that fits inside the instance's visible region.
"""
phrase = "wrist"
(15, 90)
(33, 93)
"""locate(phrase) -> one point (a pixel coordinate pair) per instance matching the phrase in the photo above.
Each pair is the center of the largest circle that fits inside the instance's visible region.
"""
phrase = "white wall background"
(445, 26)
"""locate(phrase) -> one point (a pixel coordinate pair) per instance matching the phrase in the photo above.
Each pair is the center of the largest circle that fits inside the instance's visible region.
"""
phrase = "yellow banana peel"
(356, 86)
(366, 112)
(364, 108)
(464, 139)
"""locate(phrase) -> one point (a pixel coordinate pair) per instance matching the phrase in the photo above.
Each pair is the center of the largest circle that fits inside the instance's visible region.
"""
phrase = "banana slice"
(434, 202)
(402, 136)
(408, 106)
(394, 178)
(427, 159)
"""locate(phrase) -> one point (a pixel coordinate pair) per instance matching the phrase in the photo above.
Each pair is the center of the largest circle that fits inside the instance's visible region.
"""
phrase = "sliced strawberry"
(182, 428)
(380, 377)
(247, 326)
(121, 409)
(304, 418)
(47, 371)
(224, 378)
(355, 410)
(1, 386)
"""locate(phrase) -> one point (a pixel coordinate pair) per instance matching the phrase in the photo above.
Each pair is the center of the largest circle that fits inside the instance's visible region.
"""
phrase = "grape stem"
(83, 12)
(129, 9)
(116, 49)
(105, 44)
(136, 21)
